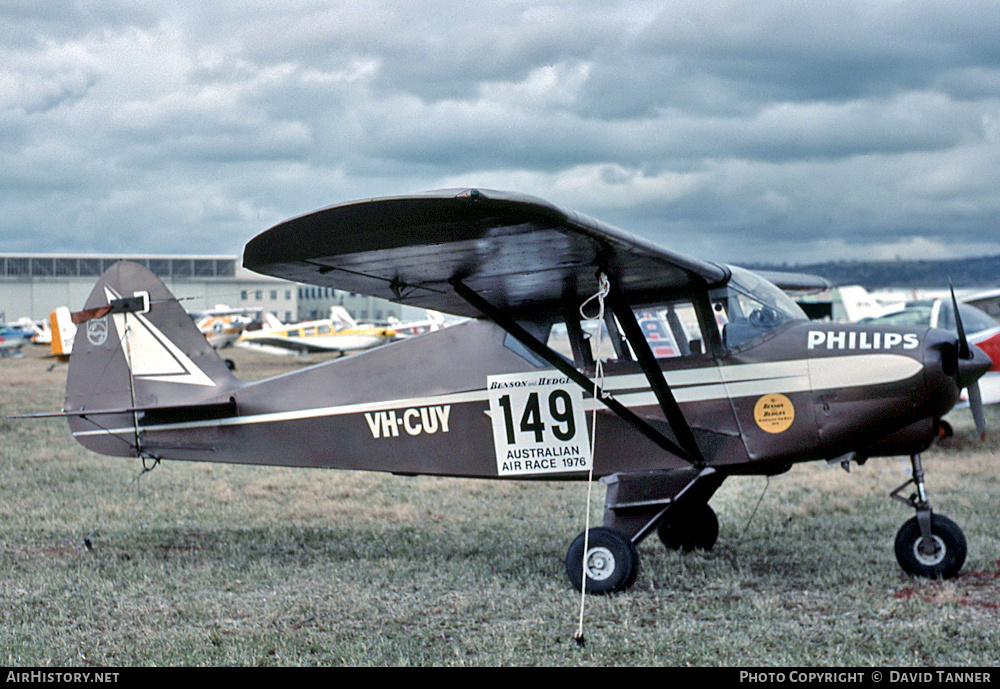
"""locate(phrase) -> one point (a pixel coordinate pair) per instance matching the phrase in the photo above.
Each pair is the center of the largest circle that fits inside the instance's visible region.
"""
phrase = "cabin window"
(671, 330)
(560, 342)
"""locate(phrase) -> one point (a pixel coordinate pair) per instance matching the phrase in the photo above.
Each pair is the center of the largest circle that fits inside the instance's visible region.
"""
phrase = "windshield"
(973, 320)
(749, 307)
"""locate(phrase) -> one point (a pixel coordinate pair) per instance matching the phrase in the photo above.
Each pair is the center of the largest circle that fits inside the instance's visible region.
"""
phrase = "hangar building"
(33, 285)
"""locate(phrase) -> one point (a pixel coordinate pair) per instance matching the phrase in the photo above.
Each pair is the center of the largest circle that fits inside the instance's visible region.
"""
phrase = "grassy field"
(226, 565)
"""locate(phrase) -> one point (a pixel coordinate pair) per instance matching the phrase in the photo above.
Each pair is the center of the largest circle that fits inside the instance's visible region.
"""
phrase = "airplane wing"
(795, 282)
(226, 311)
(516, 251)
(293, 345)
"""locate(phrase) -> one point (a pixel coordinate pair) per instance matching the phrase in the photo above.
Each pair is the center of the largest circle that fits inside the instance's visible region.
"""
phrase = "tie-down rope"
(602, 292)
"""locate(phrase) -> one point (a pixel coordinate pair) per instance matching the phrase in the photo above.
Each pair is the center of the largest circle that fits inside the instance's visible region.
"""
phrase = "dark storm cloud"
(777, 128)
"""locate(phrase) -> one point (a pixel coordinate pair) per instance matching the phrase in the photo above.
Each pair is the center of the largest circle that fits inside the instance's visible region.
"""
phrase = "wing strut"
(644, 355)
(551, 357)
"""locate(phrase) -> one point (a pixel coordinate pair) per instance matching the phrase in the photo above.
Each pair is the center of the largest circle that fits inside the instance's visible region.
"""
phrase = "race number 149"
(539, 426)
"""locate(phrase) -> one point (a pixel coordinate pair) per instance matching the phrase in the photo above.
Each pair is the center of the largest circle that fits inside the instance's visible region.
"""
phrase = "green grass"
(226, 565)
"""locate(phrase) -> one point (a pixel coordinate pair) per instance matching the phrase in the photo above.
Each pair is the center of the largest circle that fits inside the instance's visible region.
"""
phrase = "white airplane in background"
(858, 303)
(988, 302)
(339, 333)
(434, 321)
(981, 329)
(13, 337)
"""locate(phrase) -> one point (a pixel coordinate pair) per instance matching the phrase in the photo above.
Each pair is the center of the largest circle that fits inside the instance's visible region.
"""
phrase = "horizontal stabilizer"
(190, 412)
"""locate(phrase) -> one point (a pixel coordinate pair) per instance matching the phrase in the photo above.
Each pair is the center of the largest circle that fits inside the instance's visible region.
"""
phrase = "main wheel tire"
(942, 558)
(694, 527)
(612, 561)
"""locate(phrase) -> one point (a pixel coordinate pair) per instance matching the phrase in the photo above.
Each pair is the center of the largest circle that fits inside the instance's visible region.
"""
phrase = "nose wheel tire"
(939, 557)
(611, 561)
(690, 528)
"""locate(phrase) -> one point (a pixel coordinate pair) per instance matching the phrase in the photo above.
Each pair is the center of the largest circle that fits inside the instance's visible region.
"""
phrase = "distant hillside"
(965, 272)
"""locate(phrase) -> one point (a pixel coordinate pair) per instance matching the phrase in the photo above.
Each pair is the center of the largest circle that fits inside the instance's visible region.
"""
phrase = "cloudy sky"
(773, 130)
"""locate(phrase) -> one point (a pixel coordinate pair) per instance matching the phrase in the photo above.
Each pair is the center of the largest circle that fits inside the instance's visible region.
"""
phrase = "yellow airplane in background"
(339, 333)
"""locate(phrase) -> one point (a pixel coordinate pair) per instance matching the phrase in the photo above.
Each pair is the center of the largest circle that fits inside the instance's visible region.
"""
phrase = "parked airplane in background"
(37, 331)
(339, 333)
(987, 301)
(854, 303)
(746, 384)
(62, 331)
(404, 329)
(222, 326)
(13, 338)
(981, 329)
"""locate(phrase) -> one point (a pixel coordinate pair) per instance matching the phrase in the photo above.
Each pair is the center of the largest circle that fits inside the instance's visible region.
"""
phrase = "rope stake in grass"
(87, 542)
(602, 292)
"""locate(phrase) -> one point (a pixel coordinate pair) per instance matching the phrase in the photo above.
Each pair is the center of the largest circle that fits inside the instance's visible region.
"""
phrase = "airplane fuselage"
(423, 406)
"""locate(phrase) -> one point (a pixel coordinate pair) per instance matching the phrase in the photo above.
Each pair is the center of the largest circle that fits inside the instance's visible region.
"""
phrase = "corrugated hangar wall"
(34, 285)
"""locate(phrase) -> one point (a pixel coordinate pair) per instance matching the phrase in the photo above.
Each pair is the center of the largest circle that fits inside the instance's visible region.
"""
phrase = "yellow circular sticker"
(774, 413)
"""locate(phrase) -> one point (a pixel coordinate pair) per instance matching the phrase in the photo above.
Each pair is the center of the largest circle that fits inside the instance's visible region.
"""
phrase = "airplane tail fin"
(63, 331)
(137, 351)
(339, 315)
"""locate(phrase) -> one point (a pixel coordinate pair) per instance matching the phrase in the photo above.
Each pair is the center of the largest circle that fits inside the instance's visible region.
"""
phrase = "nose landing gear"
(927, 545)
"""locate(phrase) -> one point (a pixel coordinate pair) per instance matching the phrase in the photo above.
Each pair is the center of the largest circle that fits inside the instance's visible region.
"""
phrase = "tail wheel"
(611, 561)
(939, 557)
(693, 527)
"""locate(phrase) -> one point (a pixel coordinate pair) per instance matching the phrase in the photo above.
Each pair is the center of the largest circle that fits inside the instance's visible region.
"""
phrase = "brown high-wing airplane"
(705, 371)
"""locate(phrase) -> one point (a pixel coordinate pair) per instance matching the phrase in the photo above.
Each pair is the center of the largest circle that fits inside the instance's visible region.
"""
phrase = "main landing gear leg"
(672, 503)
(928, 545)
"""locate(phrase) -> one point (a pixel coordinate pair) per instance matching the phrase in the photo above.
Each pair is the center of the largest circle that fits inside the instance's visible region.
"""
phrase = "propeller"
(965, 354)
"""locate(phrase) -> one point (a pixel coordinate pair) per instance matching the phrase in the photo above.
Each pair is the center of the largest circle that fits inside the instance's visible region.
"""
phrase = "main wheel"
(612, 562)
(939, 557)
(693, 527)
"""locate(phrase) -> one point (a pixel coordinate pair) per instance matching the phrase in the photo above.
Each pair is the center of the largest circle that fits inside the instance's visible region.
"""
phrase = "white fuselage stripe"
(690, 385)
